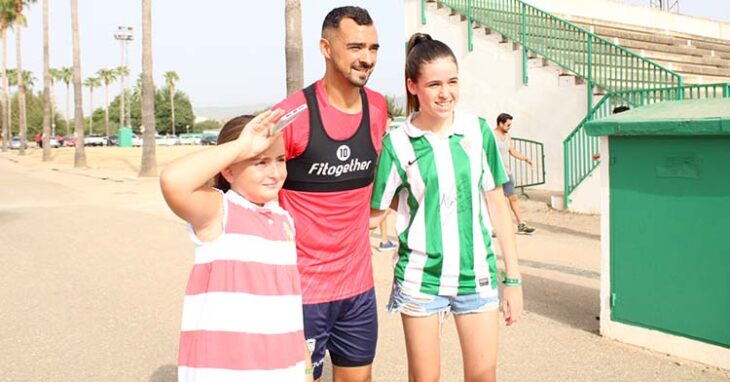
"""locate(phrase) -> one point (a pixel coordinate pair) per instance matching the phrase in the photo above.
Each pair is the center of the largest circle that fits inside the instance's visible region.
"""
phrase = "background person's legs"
(385, 243)
(511, 194)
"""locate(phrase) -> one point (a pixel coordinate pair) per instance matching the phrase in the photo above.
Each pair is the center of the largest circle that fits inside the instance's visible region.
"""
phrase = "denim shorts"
(509, 187)
(418, 304)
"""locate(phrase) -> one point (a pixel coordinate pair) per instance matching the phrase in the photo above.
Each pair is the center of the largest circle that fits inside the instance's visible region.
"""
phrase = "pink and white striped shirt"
(242, 311)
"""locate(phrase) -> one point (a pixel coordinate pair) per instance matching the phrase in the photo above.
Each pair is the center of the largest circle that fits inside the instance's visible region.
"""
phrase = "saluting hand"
(255, 137)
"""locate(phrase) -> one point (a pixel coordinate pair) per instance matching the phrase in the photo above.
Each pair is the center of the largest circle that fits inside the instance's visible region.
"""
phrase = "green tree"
(107, 76)
(19, 22)
(66, 75)
(393, 108)
(122, 73)
(91, 83)
(163, 111)
(209, 124)
(7, 18)
(170, 115)
(170, 79)
(56, 75)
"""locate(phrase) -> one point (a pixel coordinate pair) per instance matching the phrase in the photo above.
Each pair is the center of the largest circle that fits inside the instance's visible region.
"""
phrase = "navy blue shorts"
(347, 328)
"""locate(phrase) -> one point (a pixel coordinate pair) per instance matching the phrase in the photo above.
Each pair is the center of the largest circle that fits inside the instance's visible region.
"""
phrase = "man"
(504, 144)
(331, 153)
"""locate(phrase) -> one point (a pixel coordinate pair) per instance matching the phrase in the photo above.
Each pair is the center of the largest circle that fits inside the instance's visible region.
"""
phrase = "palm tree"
(67, 74)
(107, 76)
(56, 75)
(7, 18)
(46, 88)
(122, 72)
(19, 20)
(79, 153)
(293, 46)
(11, 80)
(91, 83)
(148, 167)
(171, 78)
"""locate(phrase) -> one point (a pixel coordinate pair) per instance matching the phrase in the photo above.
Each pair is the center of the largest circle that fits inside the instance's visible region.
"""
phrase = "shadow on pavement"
(165, 373)
(573, 305)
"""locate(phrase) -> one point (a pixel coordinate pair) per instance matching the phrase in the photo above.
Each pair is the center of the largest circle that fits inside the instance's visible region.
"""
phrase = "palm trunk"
(91, 107)
(53, 113)
(106, 108)
(68, 107)
(21, 84)
(4, 101)
(148, 166)
(172, 107)
(293, 46)
(46, 139)
(79, 154)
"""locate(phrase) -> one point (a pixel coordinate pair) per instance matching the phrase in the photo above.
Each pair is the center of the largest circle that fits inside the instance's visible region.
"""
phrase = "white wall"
(618, 12)
(546, 110)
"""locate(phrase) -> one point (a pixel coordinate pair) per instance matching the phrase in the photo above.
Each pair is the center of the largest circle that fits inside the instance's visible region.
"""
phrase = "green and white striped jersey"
(442, 223)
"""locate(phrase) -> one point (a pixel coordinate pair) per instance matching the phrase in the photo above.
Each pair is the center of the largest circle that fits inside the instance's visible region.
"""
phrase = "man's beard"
(357, 80)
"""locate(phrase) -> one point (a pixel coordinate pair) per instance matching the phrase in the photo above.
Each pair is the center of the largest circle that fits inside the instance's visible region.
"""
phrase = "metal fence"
(527, 175)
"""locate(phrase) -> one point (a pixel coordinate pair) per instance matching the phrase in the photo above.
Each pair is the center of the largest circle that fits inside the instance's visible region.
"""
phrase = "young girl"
(442, 164)
(242, 311)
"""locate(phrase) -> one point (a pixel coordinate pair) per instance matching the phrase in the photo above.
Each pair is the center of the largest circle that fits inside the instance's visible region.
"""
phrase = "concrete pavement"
(95, 268)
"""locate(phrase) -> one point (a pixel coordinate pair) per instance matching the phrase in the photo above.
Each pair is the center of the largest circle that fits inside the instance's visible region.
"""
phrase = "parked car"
(95, 140)
(209, 139)
(54, 142)
(113, 140)
(136, 140)
(190, 139)
(69, 141)
(167, 140)
(15, 143)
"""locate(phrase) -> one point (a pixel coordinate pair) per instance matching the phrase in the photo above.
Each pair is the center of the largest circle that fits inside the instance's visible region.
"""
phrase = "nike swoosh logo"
(411, 162)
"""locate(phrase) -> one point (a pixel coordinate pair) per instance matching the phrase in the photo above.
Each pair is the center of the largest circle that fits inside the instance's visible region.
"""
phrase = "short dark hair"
(503, 118)
(359, 15)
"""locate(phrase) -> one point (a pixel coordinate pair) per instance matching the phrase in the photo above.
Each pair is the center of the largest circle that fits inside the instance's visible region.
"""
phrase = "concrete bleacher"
(698, 59)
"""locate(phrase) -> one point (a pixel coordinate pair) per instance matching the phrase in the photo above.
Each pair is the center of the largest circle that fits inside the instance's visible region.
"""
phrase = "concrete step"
(584, 21)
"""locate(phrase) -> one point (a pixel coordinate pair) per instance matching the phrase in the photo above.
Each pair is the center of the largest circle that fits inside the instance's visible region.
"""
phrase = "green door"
(670, 234)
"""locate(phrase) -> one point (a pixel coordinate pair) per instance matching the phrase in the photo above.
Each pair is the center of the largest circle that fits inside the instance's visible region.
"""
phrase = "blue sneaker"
(387, 246)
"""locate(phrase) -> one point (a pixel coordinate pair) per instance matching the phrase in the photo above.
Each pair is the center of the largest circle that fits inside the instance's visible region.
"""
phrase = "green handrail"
(626, 77)
(581, 151)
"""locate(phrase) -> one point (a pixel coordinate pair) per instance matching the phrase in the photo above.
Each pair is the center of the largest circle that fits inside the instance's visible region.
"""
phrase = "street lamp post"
(124, 36)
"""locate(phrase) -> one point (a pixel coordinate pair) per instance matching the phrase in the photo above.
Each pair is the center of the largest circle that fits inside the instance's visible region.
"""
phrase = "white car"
(190, 139)
(167, 140)
(136, 141)
(95, 140)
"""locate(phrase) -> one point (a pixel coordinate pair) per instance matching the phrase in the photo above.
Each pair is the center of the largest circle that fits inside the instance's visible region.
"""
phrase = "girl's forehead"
(440, 66)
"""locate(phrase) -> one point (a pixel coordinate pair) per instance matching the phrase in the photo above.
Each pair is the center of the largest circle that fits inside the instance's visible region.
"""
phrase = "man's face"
(351, 50)
(505, 126)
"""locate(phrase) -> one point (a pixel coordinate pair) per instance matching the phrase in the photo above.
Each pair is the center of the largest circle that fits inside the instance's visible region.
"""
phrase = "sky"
(227, 53)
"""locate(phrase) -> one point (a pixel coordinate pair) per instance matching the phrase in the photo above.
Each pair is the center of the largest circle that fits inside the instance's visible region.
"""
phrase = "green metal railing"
(604, 65)
(581, 152)
(600, 62)
(527, 175)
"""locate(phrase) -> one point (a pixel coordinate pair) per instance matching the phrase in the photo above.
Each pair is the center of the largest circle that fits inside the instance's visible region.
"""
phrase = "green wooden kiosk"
(665, 228)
